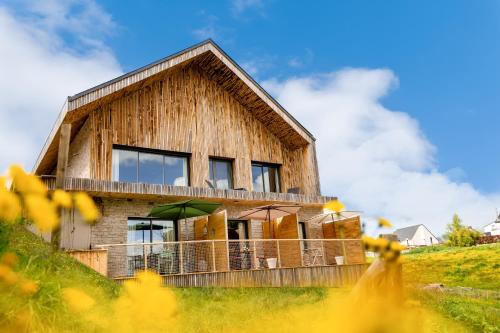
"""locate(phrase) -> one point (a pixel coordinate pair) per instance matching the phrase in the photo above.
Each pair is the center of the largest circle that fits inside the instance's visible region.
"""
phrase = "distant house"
(416, 235)
(493, 228)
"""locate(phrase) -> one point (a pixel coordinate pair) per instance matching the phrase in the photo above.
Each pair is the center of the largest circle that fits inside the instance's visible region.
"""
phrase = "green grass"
(202, 309)
(229, 309)
(52, 270)
(481, 315)
(476, 267)
(199, 310)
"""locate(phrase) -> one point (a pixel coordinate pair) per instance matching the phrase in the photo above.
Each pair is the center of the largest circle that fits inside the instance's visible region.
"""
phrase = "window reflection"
(265, 177)
(175, 169)
(258, 185)
(221, 175)
(125, 165)
(150, 168)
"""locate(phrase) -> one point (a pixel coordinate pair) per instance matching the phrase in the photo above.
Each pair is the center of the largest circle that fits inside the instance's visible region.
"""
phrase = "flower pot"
(271, 262)
(339, 260)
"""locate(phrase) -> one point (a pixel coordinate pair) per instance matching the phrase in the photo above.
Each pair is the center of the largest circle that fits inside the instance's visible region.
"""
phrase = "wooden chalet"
(195, 125)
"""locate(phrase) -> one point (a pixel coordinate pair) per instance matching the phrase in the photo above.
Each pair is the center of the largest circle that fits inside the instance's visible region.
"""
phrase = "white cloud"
(375, 159)
(209, 29)
(299, 62)
(39, 68)
(240, 6)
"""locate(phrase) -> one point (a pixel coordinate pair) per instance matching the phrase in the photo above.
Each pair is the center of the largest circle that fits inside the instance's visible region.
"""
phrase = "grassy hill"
(52, 270)
(199, 309)
(203, 309)
(475, 267)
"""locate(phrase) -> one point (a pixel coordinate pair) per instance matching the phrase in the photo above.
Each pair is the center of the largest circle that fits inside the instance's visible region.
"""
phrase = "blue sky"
(401, 95)
(445, 54)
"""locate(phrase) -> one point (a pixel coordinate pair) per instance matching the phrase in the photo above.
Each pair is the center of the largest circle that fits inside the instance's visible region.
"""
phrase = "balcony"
(157, 191)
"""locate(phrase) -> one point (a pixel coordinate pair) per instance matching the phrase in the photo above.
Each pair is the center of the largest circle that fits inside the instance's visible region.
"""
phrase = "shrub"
(460, 235)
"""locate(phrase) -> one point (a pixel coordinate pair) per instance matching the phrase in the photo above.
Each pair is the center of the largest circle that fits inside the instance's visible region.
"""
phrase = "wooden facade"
(185, 111)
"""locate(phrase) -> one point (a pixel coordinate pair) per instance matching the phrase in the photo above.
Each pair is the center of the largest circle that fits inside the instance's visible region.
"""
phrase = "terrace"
(239, 263)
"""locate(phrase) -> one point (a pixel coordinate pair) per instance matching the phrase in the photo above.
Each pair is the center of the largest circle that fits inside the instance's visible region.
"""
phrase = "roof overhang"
(215, 62)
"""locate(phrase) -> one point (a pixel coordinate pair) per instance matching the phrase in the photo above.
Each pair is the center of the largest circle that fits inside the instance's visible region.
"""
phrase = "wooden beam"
(62, 155)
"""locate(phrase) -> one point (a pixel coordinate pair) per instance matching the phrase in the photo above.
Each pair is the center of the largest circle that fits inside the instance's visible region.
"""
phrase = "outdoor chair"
(294, 190)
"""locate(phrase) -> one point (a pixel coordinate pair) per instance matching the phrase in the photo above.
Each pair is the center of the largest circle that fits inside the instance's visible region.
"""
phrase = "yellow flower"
(77, 300)
(26, 183)
(87, 207)
(28, 287)
(62, 199)
(381, 243)
(3, 183)
(10, 206)
(4, 271)
(9, 259)
(395, 246)
(8, 275)
(368, 241)
(384, 223)
(42, 212)
(334, 205)
(145, 305)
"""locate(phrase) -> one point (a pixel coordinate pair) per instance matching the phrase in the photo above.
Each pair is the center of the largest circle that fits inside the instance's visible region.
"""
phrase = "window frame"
(164, 153)
(151, 219)
(261, 165)
(231, 169)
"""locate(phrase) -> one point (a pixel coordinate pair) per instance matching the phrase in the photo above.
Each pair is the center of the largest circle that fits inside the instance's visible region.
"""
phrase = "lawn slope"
(52, 270)
(475, 267)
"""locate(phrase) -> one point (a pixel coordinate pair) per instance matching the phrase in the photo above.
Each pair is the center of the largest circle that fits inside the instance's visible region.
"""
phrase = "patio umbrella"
(333, 216)
(184, 209)
(270, 212)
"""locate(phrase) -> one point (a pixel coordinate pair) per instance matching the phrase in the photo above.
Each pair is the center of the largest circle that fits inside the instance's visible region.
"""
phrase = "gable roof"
(219, 67)
(409, 232)
(406, 233)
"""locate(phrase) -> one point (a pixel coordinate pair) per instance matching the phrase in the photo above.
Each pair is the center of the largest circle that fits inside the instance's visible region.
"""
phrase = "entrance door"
(239, 248)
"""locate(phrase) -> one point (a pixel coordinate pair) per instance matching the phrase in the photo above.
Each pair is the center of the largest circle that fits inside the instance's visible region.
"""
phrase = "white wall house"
(416, 235)
(492, 229)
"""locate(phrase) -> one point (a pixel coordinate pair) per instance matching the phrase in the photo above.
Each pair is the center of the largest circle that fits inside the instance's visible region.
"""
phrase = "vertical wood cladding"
(186, 111)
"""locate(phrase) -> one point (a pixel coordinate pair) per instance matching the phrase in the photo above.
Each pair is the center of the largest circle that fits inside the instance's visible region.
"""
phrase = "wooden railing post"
(145, 257)
(213, 256)
(346, 262)
(302, 247)
(257, 265)
(279, 254)
(324, 252)
(181, 259)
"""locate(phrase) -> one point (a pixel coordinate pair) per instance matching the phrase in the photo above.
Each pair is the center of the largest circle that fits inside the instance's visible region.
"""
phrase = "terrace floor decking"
(317, 276)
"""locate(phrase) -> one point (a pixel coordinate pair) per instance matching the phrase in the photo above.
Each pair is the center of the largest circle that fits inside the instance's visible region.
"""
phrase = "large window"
(221, 173)
(160, 257)
(142, 230)
(137, 166)
(265, 177)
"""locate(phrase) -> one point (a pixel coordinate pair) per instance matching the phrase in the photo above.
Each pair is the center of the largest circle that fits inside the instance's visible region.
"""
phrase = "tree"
(460, 235)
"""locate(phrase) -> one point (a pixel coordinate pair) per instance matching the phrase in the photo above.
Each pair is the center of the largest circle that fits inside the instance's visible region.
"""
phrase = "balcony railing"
(203, 256)
(150, 191)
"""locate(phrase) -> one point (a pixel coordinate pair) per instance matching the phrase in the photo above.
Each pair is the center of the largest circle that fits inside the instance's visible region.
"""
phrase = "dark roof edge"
(206, 41)
(140, 69)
